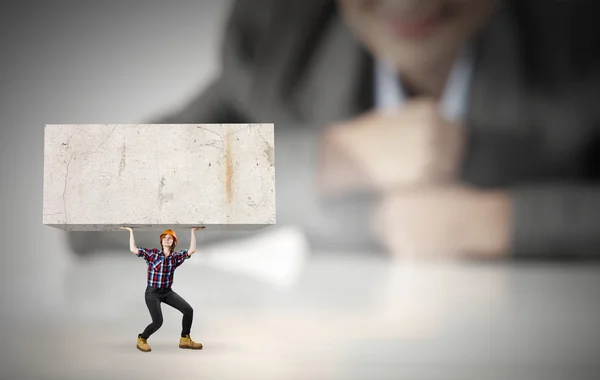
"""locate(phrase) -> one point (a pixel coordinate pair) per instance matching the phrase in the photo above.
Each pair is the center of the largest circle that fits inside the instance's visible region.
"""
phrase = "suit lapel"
(338, 80)
(496, 91)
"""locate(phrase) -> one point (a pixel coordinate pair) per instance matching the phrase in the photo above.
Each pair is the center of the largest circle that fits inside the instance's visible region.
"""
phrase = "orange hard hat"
(169, 232)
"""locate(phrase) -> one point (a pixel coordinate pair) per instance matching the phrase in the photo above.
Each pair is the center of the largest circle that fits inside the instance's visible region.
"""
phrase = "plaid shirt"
(161, 268)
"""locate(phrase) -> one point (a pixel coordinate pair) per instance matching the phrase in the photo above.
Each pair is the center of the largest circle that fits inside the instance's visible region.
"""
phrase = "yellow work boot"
(187, 342)
(142, 345)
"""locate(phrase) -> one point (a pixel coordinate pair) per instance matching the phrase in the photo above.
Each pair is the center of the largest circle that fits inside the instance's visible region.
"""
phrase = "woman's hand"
(132, 246)
(192, 248)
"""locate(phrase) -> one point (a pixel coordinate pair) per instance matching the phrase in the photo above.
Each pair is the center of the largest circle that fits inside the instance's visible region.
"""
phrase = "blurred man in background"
(423, 127)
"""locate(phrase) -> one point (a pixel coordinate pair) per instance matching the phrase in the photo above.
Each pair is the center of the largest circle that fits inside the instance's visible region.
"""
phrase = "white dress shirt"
(389, 93)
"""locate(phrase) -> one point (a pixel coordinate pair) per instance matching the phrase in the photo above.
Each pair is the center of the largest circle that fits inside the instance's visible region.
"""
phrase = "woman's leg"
(153, 303)
(173, 299)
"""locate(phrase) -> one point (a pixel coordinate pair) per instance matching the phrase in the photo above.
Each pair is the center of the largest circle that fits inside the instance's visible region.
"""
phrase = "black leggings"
(154, 296)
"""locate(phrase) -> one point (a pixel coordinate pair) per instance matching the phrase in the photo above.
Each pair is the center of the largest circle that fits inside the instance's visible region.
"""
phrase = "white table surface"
(346, 317)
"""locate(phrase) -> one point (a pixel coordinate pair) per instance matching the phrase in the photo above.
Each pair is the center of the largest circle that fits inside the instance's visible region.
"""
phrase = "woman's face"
(167, 240)
(415, 33)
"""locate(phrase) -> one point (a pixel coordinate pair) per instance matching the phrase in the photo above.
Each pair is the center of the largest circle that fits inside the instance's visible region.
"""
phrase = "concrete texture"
(148, 176)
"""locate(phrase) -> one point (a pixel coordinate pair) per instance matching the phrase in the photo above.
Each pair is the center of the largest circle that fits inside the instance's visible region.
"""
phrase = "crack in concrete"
(65, 191)
(157, 198)
(67, 178)
(160, 192)
(269, 150)
(228, 171)
(261, 136)
(123, 162)
(212, 144)
(102, 143)
(208, 130)
(54, 213)
(270, 153)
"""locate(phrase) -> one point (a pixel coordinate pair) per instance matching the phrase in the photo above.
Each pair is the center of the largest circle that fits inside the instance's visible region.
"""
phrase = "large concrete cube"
(151, 176)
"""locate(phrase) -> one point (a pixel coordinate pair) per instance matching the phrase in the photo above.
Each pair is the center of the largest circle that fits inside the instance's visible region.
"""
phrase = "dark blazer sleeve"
(211, 106)
(551, 171)
(556, 220)
(551, 218)
(560, 217)
(245, 32)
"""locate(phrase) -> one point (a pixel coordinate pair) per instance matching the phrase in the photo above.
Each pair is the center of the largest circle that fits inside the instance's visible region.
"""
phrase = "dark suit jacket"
(532, 123)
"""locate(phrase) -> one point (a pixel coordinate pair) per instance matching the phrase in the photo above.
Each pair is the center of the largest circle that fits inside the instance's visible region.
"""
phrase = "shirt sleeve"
(182, 256)
(145, 253)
